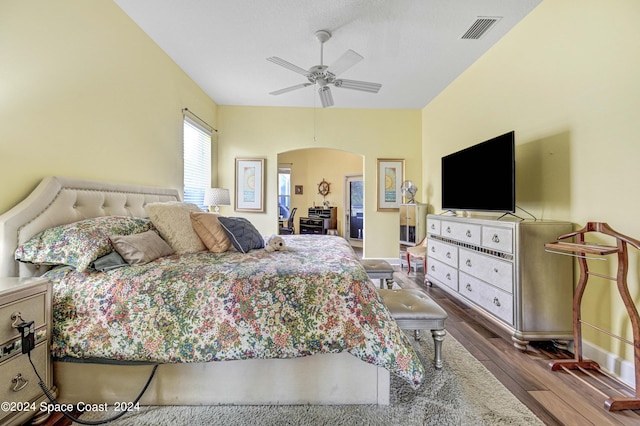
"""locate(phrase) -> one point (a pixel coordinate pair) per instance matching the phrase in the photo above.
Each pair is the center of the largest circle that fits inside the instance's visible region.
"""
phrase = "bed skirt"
(324, 379)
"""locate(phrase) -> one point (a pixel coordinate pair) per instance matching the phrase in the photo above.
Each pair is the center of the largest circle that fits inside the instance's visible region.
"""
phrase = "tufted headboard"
(59, 200)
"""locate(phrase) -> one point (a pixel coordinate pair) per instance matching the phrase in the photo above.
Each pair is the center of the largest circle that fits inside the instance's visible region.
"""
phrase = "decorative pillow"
(80, 243)
(139, 249)
(172, 220)
(210, 231)
(243, 235)
(108, 262)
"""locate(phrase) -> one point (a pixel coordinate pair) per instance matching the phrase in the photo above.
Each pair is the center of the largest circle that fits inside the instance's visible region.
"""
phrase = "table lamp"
(214, 197)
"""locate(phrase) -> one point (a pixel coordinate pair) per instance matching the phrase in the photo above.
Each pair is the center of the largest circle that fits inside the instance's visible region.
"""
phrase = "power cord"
(46, 391)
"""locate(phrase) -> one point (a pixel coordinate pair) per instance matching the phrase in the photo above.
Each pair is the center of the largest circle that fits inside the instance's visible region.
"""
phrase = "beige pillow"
(138, 249)
(172, 220)
(208, 228)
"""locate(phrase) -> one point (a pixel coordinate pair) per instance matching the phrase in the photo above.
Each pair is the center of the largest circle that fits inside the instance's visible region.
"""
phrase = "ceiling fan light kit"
(323, 75)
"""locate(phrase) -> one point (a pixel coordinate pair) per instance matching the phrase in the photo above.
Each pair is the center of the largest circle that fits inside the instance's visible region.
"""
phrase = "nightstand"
(24, 299)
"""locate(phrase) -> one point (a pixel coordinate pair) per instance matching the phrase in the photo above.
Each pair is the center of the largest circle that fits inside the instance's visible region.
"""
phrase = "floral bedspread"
(200, 307)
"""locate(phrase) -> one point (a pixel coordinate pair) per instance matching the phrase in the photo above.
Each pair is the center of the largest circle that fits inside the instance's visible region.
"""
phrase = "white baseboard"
(622, 369)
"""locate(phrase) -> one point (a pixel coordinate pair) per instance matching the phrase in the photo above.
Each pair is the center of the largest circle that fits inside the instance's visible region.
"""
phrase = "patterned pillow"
(243, 235)
(80, 243)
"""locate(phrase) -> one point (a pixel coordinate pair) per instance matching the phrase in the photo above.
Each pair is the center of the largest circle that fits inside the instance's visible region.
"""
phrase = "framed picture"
(390, 178)
(298, 189)
(249, 185)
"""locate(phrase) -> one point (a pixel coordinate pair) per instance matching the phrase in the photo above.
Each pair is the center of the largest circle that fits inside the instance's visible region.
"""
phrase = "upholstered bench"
(379, 269)
(414, 310)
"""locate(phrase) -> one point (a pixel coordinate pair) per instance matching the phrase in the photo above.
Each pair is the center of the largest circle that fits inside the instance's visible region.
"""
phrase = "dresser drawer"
(443, 252)
(490, 298)
(497, 238)
(443, 273)
(433, 226)
(31, 309)
(27, 382)
(468, 233)
(490, 269)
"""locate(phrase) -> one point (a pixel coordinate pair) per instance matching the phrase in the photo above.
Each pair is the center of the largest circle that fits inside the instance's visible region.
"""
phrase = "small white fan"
(409, 190)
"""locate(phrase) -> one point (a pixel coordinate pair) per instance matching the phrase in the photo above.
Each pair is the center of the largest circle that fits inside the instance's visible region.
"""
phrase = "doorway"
(354, 210)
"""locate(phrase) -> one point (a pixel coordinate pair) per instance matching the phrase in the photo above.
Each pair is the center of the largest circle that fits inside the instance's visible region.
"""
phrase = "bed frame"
(319, 379)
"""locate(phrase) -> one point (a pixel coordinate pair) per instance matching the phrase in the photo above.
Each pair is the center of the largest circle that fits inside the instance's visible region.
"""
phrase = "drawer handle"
(449, 277)
(19, 383)
(468, 233)
(496, 301)
(17, 319)
(495, 238)
(448, 229)
(433, 226)
(468, 287)
(468, 263)
(495, 270)
(433, 249)
(433, 268)
(448, 255)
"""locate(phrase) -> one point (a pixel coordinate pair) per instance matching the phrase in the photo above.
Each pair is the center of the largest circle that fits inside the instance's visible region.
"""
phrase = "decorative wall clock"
(324, 188)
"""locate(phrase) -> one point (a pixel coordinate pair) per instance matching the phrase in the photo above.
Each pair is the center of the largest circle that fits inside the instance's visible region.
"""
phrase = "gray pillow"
(243, 235)
(142, 248)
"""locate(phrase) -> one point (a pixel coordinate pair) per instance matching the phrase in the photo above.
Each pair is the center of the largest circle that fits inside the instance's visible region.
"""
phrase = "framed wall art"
(390, 178)
(249, 185)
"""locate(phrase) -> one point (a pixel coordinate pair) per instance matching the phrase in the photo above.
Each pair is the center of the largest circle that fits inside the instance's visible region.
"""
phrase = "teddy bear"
(275, 243)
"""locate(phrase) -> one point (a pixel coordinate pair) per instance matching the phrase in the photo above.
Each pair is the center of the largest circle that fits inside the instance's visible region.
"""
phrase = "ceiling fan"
(323, 75)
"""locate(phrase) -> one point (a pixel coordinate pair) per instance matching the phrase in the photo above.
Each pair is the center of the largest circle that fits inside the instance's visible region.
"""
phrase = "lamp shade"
(216, 197)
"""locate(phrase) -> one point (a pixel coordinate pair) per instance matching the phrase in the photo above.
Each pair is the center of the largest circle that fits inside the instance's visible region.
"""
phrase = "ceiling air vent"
(480, 26)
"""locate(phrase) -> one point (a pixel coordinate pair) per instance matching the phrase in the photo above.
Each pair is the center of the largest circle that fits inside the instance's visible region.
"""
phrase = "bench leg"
(389, 283)
(438, 337)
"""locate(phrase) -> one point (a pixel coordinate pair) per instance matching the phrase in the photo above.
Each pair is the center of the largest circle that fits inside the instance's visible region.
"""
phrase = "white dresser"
(501, 268)
(24, 300)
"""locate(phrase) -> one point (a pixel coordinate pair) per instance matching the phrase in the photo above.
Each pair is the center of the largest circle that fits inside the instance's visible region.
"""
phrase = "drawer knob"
(448, 229)
(496, 301)
(433, 268)
(448, 255)
(468, 233)
(433, 226)
(19, 383)
(449, 277)
(433, 249)
(495, 238)
(468, 263)
(468, 287)
(495, 270)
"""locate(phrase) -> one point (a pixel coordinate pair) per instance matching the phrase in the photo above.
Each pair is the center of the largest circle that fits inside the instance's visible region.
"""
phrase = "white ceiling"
(412, 47)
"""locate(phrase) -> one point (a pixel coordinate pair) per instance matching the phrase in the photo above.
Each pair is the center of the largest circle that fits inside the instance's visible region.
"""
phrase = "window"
(284, 190)
(197, 162)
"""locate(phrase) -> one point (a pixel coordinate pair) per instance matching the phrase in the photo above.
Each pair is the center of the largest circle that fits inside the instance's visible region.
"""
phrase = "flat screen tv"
(481, 177)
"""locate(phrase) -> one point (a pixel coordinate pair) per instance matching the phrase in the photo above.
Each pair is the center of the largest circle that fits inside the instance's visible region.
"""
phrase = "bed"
(343, 359)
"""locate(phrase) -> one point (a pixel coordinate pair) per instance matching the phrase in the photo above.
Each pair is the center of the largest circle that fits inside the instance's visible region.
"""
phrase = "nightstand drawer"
(18, 381)
(31, 309)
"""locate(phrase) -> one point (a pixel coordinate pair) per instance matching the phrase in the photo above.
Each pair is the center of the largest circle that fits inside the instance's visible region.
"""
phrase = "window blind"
(197, 161)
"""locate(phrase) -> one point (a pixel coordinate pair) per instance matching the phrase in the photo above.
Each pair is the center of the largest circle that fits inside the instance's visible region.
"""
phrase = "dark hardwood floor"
(556, 398)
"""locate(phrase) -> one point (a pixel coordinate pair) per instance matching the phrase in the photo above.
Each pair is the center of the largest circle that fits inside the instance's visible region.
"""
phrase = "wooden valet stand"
(581, 249)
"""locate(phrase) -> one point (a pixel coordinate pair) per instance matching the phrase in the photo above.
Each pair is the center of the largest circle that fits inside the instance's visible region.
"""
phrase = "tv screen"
(481, 177)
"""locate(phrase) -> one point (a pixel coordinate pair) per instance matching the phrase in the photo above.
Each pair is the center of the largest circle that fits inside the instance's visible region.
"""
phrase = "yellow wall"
(84, 92)
(566, 79)
(265, 132)
(309, 167)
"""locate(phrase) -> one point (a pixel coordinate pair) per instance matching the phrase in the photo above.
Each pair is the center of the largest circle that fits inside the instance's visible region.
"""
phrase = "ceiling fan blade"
(364, 86)
(289, 89)
(288, 65)
(344, 62)
(325, 96)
